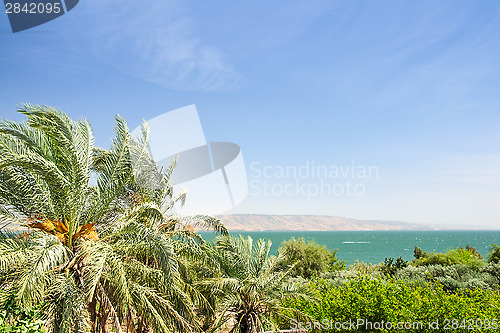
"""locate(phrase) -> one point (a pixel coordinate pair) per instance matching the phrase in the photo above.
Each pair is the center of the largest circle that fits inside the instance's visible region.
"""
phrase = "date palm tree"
(93, 254)
(249, 286)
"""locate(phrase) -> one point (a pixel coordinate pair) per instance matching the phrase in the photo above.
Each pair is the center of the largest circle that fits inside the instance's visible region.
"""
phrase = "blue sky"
(412, 88)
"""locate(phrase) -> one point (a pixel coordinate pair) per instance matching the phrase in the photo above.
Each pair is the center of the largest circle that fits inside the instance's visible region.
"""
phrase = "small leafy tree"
(468, 256)
(310, 259)
(390, 266)
(473, 251)
(494, 255)
(419, 253)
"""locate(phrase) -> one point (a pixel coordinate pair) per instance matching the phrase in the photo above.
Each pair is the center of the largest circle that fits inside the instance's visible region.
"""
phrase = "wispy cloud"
(157, 41)
(440, 64)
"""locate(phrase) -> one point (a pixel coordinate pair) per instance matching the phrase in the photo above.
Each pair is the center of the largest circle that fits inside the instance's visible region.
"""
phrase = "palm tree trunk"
(93, 314)
(246, 324)
(107, 310)
(103, 322)
(142, 327)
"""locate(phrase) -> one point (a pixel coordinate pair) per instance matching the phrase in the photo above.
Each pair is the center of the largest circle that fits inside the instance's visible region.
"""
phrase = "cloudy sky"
(409, 88)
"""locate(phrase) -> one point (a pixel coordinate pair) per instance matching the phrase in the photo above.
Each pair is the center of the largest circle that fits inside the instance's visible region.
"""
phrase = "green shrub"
(363, 268)
(492, 269)
(468, 256)
(454, 277)
(355, 270)
(390, 266)
(419, 253)
(377, 300)
(494, 255)
(473, 251)
(310, 259)
(14, 319)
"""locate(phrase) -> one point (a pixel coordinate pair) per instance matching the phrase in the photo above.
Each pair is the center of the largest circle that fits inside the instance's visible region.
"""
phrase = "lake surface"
(375, 246)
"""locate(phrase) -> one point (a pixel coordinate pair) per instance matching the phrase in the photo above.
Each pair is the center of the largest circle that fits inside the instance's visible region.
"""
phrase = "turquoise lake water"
(375, 246)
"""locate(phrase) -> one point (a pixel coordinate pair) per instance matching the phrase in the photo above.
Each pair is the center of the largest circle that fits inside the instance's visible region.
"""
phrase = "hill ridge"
(271, 222)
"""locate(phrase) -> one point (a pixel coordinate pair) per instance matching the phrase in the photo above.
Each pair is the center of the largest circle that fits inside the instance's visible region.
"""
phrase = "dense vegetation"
(108, 254)
(15, 319)
(369, 302)
(456, 290)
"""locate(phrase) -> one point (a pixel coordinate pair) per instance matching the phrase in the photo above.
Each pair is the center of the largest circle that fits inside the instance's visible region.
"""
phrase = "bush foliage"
(14, 319)
(390, 266)
(468, 256)
(310, 259)
(395, 301)
(494, 255)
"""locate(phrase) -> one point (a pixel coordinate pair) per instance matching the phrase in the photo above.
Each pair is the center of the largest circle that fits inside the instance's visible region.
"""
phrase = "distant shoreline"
(262, 222)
